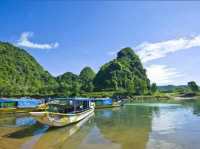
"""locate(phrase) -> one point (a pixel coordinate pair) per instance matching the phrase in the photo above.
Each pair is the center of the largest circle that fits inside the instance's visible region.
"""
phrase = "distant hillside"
(123, 73)
(171, 88)
(87, 76)
(69, 84)
(20, 74)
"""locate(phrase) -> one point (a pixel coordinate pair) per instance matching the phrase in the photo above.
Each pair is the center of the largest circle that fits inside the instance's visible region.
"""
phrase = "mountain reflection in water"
(136, 125)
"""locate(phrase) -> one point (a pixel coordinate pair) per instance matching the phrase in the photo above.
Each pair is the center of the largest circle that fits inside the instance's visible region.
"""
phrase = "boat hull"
(59, 120)
(18, 110)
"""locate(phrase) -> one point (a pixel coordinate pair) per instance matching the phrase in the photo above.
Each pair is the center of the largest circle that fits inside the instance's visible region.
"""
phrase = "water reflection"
(56, 137)
(194, 105)
(16, 120)
(134, 126)
(129, 127)
(175, 128)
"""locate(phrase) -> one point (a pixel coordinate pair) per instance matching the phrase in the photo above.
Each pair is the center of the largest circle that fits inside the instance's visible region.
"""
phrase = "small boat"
(101, 103)
(64, 112)
(20, 105)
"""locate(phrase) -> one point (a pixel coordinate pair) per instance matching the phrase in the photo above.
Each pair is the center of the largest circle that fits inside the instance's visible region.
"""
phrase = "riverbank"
(123, 96)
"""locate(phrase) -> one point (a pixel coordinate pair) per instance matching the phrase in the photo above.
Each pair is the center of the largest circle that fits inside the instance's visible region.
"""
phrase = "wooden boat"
(62, 113)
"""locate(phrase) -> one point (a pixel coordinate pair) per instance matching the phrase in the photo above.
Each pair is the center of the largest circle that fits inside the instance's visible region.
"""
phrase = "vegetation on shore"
(182, 91)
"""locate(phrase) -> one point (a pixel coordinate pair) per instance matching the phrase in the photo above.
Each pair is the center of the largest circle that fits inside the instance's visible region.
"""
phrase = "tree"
(193, 86)
(154, 88)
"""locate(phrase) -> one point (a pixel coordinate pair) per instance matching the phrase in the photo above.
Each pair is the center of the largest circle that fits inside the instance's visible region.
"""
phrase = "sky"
(67, 36)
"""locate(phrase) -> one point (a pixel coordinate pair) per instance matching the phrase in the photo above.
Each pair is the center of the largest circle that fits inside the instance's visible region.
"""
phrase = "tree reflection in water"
(129, 126)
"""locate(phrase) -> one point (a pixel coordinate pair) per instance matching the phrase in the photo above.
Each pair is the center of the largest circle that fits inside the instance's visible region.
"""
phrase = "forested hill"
(123, 73)
(20, 74)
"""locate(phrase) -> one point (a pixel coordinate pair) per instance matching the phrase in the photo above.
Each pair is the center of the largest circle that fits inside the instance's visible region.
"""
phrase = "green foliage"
(153, 88)
(69, 84)
(20, 74)
(86, 76)
(193, 86)
(123, 73)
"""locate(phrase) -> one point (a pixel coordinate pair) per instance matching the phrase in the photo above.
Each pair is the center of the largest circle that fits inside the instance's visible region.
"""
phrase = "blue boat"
(19, 105)
(106, 103)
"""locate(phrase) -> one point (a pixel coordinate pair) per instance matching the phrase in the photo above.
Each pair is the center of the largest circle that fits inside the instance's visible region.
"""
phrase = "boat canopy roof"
(101, 99)
(67, 101)
(82, 99)
(6, 101)
(73, 98)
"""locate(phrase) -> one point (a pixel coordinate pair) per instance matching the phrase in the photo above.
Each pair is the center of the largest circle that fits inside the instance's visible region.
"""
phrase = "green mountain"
(69, 84)
(87, 76)
(20, 74)
(123, 73)
(72, 85)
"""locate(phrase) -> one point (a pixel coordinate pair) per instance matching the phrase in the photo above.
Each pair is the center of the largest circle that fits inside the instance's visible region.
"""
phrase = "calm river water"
(133, 126)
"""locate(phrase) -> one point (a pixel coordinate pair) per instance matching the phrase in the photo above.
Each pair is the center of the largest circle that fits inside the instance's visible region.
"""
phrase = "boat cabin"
(102, 101)
(69, 106)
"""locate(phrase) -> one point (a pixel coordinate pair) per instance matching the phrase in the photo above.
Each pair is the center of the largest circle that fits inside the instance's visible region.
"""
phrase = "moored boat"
(101, 103)
(20, 105)
(64, 112)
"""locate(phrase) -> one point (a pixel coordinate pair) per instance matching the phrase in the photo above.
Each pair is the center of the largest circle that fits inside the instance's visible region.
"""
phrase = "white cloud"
(150, 51)
(162, 74)
(25, 42)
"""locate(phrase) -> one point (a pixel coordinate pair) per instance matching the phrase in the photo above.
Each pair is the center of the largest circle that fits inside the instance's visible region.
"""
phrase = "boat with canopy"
(101, 103)
(64, 112)
(20, 105)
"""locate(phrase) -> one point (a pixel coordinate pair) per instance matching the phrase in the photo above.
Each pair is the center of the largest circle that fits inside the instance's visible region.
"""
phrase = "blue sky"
(67, 36)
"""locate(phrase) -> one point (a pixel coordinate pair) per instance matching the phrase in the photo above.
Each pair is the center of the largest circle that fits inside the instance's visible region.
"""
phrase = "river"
(152, 125)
